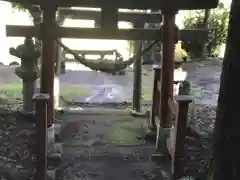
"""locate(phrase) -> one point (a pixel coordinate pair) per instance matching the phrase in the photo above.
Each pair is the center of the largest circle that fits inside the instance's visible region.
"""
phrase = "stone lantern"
(28, 72)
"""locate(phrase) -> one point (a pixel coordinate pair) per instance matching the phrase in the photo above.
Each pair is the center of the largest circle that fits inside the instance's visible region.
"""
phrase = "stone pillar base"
(164, 142)
(151, 135)
(50, 139)
(57, 132)
(54, 156)
(56, 92)
(51, 174)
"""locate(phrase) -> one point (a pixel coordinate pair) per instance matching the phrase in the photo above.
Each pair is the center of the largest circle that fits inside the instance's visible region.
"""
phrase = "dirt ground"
(100, 147)
(111, 147)
(107, 147)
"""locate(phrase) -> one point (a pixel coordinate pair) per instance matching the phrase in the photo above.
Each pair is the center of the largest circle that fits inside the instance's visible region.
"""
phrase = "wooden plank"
(133, 4)
(95, 33)
(133, 17)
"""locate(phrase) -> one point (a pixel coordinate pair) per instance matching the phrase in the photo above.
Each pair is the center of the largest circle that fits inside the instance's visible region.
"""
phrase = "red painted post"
(168, 34)
(48, 28)
(41, 133)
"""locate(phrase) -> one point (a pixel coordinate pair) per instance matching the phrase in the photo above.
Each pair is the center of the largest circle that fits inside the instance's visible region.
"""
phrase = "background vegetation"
(217, 22)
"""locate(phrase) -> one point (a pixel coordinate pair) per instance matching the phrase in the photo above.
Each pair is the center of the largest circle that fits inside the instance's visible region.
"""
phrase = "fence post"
(180, 135)
(156, 96)
(41, 135)
(137, 76)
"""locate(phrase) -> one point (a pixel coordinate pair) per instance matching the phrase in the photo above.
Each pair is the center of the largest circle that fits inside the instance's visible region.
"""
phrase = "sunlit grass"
(147, 93)
(14, 91)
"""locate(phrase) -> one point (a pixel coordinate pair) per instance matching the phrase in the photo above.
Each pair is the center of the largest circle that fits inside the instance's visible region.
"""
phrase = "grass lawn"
(147, 86)
(147, 93)
(14, 91)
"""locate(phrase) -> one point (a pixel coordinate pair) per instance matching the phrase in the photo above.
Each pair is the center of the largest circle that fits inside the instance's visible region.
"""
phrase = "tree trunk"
(205, 26)
(206, 17)
(226, 147)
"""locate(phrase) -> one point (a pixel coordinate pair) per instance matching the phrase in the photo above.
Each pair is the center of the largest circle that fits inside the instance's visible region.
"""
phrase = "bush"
(218, 22)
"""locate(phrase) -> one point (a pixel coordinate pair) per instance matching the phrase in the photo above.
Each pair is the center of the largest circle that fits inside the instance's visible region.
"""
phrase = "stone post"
(28, 72)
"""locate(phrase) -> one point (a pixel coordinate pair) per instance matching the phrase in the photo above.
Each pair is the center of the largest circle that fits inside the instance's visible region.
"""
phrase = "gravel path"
(205, 80)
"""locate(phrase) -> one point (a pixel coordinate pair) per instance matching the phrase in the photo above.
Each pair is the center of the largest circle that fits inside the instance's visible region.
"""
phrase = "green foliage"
(218, 22)
(130, 46)
(19, 7)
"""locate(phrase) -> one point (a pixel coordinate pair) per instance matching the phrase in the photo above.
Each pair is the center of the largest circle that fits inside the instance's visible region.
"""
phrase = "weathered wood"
(48, 59)
(133, 4)
(109, 16)
(137, 79)
(94, 52)
(41, 131)
(167, 72)
(132, 16)
(156, 96)
(95, 33)
(137, 73)
(177, 152)
(102, 53)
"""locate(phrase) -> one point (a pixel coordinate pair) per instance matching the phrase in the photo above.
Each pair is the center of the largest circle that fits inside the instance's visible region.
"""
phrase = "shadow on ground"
(108, 147)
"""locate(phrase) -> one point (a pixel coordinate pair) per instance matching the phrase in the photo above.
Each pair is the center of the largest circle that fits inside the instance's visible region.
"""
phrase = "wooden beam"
(133, 4)
(133, 17)
(94, 52)
(75, 61)
(95, 33)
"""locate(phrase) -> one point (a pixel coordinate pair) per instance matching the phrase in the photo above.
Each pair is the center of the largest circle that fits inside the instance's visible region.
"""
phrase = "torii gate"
(48, 33)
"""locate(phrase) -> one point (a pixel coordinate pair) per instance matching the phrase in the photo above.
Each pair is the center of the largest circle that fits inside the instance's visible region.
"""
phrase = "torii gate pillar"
(168, 45)
(47, 35)
(168, 34)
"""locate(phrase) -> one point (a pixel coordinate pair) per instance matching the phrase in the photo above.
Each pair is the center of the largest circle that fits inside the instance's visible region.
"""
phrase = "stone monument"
(28, 71)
